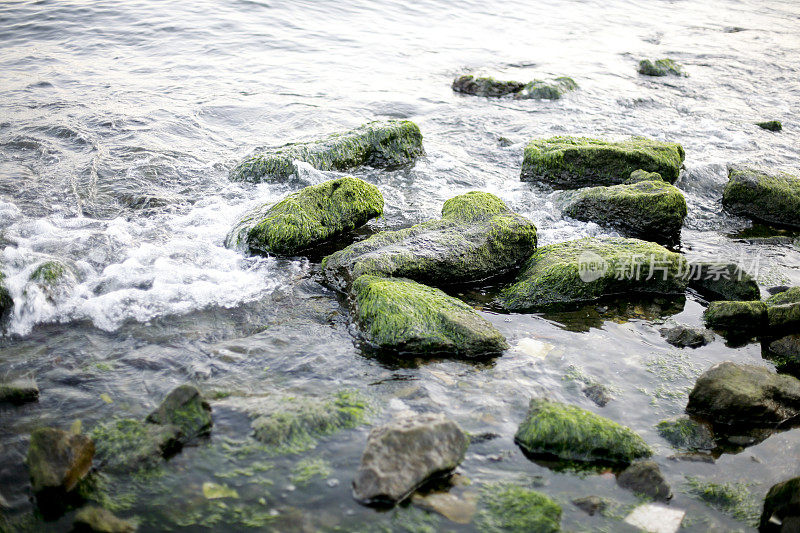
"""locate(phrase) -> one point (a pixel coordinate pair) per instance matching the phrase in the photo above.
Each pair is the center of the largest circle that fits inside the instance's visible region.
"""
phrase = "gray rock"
(781, 512)
(684, 336)
(590, 504)
(401, 455)
(723, 281)
(91, 519)
(19, 391)
(485, 86)
(598, 393)
(185, 409)
(644, 477)
(57, 460)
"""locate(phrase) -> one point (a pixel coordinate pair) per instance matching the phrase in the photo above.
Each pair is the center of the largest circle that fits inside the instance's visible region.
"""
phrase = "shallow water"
(119, 123)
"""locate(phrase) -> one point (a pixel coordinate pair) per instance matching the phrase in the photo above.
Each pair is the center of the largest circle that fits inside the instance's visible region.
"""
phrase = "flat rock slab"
(401, 455)
(655, 518)
(765, 195)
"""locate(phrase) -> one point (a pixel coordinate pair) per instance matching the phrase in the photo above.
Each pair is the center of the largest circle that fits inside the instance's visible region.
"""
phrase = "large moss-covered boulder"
(477, 237)
(651, 210)
(723, 281)
(574, 434)
(58, 460)
(308, 218)
(783, 310)
(378, 144)
(485, 86)
(781, 513)
(585, 270)
(404, 316)
(574, 162)
(546, 90)
(660, 67)
(768, 196)
(741, 317)
(731, 394)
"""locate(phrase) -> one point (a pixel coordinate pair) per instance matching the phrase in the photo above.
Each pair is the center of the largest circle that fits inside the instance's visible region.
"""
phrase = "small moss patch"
(511, 508)
(734, 499)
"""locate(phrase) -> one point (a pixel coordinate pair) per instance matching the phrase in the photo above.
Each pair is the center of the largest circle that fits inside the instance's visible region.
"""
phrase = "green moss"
(555, 274)
(783, 310)
(185, 409)
(574, 434)
(651, 210)
(736, 316)
(477, 238)
(308, 218)
(485, 86)
(574, 162)
(768, 196)
(547, 90)
(129, 445)
(734, 499)
(659, 67)
(49, 272)
(379, 144)
(295, 425)
(309, 468)
(404, 316)
(515, 509)
(642, 175)
(771, 125)
(685, 433)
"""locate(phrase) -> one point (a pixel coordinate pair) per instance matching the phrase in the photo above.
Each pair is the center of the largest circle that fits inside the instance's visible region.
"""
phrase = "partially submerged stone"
(764, 195)
(660, 67)
(377, 144)
(783, 310)
(485, 86)
(644, 477)
(723, 281)
(781, 512)
(6, 302)
(308, 218)
(517, 509)
(590, 504)
(52, 277)
(686, 434)
(58, 460)
(401, 455)
(731, 394)
(574, 434)
(458, 509)
(185, 409)
(477, 237)
(574, 162)
(785, 353)
(640, 175)
(92, 519)
(650, 210)
(736, 317)
(404, 316)
(684, 336)
(586, 270)
(771, 125)
(546, 90)
(19, 391)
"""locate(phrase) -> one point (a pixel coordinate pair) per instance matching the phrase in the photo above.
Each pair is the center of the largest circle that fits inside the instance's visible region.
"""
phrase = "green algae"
(404, 316)
(642, 175)
(511, 508)
(734, 499)
(308, 218)
(737, 316)
(309, 468)
(130, 445)
(783, 310)
(547, 90)
(574, 162)
(378, 144)
(49, 272)
(767, 196)
(574, 434)
(660, 67)
(586, 270)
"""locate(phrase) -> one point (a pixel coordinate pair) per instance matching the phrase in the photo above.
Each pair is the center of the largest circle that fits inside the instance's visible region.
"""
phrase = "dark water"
(119, 122)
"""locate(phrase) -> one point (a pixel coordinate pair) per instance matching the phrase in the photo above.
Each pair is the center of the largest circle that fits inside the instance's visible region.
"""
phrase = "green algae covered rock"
(185, 409)
(19, 391)
(58, 460)
(651, 210)
(781, 507)
(783, 310)
(768, 196)
(642, 175)
(686, 434)
(585, 270)
(574, 162)
(736, 316)
(477, 237)
(91, 519)
(574, 434)
(511, 508)
(130, 445)
(547, 90)
(404, 316)
(308, 218)
(726, 281)
(660, 67)
(378, 144)
(770, 125)
(485, 86)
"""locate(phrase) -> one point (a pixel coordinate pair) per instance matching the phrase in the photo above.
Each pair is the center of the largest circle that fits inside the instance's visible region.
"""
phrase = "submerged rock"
(644, 477)
(378, 144)
(684, 336)
(91, 519)
(58, 460)
(460, 510)
(736, 317)
(185, 409)
(573, 434)
(546, 90)
(401, 455)
(308, 218)
(598, 393)
(590, 504)
(574, 162)
(659, 67)
(767, 196)
(781, 512)
(517, 509)
(731, 394)
(404, 316)
(477, 237)
(783, 310)
(485, 86)
(19, 391)
(650, 210)
(723, 281)
(686, 434)
(638, 176)
(771, 125)
(53, 277)
(588, 269)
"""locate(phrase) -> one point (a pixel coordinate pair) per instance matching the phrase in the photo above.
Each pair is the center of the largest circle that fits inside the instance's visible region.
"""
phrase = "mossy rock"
(686, 434)
(478, 237)
(586, 270)
(642, 175)
(574, 162)
(546, 90)
(723, 281)
(660, 67)
(783, 311)
(53, 278)
(58, 460)
(6, 302)
(770, 125)
(781, 506)
(767, 196)
(185, 409)
(308, 218)
(404, 316)
(386, 144)
(19, 391)
(650, 210)
(294, 425)
(129, 445)
(511, 508)
(485, 86)
(733, 316)
(574, 434)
